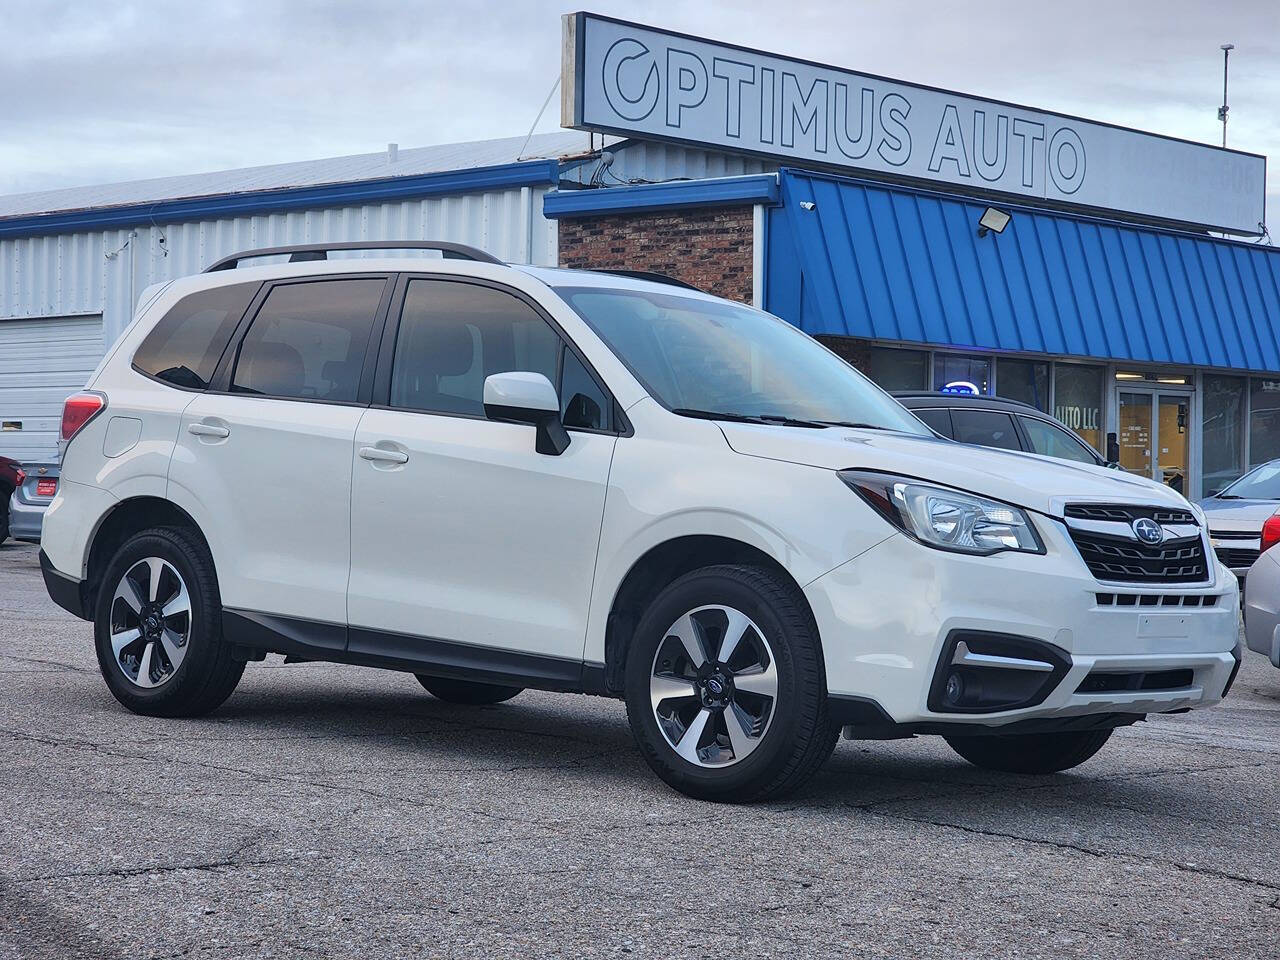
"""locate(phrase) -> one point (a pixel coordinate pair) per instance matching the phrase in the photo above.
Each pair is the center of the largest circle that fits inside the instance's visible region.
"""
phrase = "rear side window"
(939, 418)
(309, 341)
(987, 428)
(453, 335)
(184, 347)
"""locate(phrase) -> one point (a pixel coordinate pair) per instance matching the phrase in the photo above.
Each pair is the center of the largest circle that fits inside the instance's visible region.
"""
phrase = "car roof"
(924, 399)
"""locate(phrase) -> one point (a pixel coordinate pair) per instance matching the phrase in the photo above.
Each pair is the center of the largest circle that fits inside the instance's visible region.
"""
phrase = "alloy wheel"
(714, 686)
(150, 622)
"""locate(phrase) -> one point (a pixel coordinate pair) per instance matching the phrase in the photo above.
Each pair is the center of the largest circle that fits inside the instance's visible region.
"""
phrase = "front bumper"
(885, 616)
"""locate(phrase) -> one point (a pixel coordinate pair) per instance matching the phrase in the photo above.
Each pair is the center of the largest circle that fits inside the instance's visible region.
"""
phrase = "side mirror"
(522, 397)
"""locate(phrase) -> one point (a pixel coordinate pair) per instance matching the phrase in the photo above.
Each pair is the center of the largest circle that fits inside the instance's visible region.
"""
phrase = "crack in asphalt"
(1066, 845)
(47, 663)
(295, 781)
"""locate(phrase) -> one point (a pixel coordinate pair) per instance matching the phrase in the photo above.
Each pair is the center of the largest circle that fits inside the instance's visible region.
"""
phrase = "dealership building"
(935, 240)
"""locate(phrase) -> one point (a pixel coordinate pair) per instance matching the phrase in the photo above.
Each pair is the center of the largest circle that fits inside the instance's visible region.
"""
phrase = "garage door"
(42, 362)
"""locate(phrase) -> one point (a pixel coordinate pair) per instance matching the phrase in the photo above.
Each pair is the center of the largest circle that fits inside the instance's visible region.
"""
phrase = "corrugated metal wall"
(104, 273)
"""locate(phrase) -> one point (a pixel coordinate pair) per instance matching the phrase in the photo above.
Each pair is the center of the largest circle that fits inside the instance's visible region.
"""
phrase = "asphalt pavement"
(332, 811)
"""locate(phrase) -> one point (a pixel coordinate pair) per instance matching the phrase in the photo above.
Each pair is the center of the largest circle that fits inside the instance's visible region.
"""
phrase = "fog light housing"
(980, 672)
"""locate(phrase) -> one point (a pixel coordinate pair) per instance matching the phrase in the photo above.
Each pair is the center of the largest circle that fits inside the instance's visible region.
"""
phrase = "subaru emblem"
(1148, 531)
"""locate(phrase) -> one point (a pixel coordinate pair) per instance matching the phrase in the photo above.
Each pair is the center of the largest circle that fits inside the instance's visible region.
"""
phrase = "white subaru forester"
(498, 477)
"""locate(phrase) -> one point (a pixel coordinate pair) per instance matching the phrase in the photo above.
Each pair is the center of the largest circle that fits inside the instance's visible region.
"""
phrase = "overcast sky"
(97, 92)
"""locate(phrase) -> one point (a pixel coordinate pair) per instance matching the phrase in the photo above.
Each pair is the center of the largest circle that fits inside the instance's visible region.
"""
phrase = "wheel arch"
(122, 521)
(660, 566)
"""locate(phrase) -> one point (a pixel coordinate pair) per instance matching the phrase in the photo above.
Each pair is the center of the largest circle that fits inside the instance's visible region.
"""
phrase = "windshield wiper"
(1228, 496)
(767, 418)
(853, 424)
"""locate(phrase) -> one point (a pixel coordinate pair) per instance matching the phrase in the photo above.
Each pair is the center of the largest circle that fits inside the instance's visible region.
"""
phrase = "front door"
(470, 548)
(1155, 436)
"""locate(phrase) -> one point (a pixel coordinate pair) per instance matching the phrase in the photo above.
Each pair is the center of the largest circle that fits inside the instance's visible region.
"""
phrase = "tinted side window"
(309, 341)
(986, 428)
(1053, 441)
(938, 418)
(185, 346)
(582, 403)
(454, 334)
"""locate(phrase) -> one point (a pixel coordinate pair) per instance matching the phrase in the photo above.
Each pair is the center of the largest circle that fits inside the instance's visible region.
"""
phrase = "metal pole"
(1222, 113)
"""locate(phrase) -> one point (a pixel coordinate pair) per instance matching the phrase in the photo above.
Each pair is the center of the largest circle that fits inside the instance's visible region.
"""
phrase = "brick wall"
(709, 247)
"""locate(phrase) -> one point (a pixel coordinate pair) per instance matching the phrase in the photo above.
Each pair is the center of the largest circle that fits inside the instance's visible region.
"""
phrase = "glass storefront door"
(1155, 435)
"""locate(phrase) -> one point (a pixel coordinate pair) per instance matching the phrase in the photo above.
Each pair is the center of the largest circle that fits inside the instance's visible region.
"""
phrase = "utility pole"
(1222, 110)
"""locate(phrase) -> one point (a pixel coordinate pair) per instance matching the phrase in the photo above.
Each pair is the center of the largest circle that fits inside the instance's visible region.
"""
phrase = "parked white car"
(499, 477)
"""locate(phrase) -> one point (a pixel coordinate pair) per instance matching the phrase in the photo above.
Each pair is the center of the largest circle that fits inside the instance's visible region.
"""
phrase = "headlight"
(945, 518)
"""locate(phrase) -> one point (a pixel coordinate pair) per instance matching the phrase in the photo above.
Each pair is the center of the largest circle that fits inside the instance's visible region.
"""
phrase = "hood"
(1237, 514)
(1024, 479)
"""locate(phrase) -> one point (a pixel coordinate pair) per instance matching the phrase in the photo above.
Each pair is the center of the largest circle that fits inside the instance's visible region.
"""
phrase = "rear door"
(461, 531)
(263, 460)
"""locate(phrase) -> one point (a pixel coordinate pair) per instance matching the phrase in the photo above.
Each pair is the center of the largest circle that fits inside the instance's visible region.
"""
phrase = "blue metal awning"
(853, 258)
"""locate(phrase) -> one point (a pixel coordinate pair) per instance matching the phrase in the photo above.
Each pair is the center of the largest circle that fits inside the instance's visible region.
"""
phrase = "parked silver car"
(1262, 611)
(30, 500)
(1236, 515)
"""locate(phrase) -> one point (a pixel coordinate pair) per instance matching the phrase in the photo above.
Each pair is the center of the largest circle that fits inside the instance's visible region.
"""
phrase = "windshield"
(1260, 484)
(707, 357)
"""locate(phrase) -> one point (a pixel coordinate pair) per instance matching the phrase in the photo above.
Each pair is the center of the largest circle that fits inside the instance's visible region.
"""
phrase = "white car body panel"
(273, 500)
(476, 538)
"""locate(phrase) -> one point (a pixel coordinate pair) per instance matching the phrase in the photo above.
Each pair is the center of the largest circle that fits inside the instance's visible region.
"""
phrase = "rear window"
(184, 347)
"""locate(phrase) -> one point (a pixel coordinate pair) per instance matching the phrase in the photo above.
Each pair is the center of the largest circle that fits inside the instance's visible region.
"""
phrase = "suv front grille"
(1126, 514)
(1112, 553)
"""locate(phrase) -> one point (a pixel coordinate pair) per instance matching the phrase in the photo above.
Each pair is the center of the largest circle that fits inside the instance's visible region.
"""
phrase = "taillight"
(20, 474)
(1271, 532)
(79, 409)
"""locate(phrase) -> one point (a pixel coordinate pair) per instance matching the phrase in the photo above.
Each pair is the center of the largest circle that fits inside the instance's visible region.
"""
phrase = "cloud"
(100, 92)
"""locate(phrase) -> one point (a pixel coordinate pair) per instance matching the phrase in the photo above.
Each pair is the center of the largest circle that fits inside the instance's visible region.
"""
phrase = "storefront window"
(1025, 380)
(959, 372)
(1264, 421)
(1222, 443)
(899, 369)
(1078, 401)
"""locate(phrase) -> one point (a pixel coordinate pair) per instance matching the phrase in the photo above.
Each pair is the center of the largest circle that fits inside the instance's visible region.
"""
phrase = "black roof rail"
(961, 399)
(302, 252)
(652, 277)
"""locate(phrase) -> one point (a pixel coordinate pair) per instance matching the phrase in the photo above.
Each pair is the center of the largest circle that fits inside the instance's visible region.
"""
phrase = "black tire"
(467, 692)
(799, 737)
(208, 672)
(1034, 753)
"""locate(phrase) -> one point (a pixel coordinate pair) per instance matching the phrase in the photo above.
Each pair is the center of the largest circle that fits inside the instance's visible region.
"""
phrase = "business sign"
(629, 79)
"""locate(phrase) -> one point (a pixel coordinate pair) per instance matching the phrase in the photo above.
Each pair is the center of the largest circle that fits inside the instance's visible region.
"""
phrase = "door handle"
(208, 430)
(381, 455)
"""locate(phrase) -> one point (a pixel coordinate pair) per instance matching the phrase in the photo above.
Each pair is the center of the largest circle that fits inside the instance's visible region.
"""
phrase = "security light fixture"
(993, 219)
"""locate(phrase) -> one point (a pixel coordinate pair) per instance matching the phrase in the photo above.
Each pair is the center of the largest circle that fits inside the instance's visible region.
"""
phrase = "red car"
(11, 477)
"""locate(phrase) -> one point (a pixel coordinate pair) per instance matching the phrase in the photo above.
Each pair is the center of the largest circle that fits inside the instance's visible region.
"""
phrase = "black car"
(995, 422)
